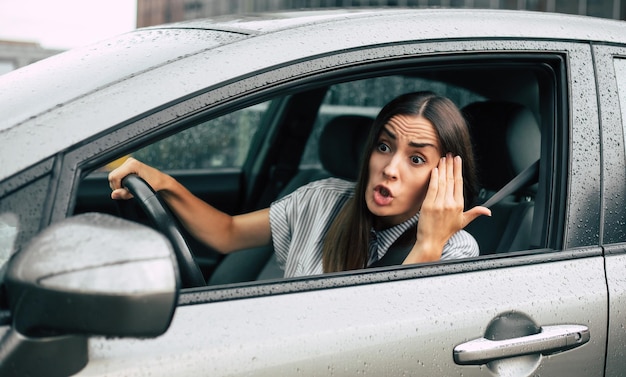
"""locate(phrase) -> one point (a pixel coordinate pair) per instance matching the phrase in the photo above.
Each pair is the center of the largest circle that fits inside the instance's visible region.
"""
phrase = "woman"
(413, 168)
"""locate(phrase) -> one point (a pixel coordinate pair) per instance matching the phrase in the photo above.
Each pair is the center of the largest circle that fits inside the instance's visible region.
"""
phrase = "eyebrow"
(411, 143)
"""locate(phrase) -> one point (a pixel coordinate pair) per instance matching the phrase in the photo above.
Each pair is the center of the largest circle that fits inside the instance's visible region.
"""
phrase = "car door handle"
(550, 339)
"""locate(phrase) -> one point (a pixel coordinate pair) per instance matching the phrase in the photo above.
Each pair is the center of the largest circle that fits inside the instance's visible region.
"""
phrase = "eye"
(417, 160)
(382, 147)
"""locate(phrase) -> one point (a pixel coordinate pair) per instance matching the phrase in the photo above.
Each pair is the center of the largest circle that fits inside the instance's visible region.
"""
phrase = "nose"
(390, 170)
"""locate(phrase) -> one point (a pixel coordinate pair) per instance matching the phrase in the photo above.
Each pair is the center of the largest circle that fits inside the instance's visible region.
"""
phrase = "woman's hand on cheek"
(441, 215)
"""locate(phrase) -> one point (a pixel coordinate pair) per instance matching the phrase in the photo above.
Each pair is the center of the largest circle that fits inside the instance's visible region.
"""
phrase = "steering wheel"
(164, 221)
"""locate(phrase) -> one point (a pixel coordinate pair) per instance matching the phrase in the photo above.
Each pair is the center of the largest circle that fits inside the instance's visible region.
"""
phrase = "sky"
(64, 24)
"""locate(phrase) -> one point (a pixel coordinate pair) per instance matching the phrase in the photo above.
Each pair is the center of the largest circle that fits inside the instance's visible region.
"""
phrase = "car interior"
(318, 130)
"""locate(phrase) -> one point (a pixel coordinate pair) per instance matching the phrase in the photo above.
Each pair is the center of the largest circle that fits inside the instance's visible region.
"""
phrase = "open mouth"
(382, 195)
(384, 192)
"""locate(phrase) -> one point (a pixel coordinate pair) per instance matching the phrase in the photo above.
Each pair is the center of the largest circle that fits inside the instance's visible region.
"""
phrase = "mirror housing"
(92, 274)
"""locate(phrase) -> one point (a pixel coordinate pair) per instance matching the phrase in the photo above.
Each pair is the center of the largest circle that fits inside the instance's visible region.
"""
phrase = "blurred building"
(155, 12)
(16, 54)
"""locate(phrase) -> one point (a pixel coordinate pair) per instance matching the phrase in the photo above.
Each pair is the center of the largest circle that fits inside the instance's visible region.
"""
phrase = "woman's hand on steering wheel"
(128, 182)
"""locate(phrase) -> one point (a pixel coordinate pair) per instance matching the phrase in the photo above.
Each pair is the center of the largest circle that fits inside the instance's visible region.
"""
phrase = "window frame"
(613, 140)
(300, 79)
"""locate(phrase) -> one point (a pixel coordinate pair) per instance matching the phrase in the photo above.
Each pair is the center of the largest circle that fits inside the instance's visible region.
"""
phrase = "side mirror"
(91, 274)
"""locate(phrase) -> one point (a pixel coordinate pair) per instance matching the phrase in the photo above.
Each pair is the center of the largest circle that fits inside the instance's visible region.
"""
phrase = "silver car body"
(392, 321)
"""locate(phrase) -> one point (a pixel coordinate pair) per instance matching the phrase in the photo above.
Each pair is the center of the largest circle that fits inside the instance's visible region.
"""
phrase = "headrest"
(341, 145)
(507, 140)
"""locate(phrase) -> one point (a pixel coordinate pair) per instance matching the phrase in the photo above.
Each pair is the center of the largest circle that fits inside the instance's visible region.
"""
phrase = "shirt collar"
(386, 237)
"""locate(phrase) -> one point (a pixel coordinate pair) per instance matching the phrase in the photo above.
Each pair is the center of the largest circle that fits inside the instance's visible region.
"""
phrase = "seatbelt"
(527, 176)
(399, 250)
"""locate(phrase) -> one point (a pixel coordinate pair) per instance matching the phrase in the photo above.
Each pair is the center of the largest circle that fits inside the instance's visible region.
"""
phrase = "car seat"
(507, 140)
(340, 148)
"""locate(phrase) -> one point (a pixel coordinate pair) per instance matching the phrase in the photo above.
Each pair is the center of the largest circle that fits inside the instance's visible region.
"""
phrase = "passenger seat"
(340, 148)
(507, 140)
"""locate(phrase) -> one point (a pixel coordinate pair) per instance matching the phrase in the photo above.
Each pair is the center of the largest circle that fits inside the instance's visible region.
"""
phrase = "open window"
(247, 157)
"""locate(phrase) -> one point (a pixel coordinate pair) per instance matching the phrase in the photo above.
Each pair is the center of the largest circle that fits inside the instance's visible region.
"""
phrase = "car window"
(222, 142)
(522, 108)
(620, 73)
(494, 121)
(367, 97)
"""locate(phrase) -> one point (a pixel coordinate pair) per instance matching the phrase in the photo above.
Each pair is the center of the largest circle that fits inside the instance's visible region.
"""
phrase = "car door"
(611, 73)
(538, 311)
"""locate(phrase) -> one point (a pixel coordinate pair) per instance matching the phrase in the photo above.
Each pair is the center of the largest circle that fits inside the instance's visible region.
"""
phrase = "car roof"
(567, 26)
(58, 102)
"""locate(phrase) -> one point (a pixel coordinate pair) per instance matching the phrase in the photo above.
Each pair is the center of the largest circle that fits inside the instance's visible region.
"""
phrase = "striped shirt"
(300, 220)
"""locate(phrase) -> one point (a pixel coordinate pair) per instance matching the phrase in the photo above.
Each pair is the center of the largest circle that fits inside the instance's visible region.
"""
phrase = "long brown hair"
(346, 243)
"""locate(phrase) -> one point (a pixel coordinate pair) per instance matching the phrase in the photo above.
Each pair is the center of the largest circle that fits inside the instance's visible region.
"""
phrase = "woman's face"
(400, 165)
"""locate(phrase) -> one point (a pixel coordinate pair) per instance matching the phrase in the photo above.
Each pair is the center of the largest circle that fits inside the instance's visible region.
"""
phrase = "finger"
(474, 213)
(116, 175)
(442, 181)
(121, 194)
(114, 182)
(450, 184)
(431, 194)
(458, 180)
